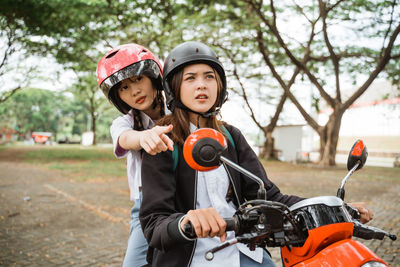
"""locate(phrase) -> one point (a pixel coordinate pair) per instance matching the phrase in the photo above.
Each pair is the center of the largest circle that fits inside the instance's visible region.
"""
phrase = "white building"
(374, 118)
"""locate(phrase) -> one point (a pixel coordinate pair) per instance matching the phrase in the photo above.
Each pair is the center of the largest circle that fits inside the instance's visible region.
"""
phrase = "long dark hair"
(179, 118)
(137, 120)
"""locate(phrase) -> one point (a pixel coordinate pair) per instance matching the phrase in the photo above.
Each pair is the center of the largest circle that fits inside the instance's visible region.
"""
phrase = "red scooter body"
(329, 245)
(313, 232)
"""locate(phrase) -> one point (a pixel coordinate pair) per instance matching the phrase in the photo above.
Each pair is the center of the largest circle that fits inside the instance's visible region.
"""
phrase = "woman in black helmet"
(195, 85)
(174, 194)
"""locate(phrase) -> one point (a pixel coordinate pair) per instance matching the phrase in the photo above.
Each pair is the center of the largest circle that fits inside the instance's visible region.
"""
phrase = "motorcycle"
(316, 231)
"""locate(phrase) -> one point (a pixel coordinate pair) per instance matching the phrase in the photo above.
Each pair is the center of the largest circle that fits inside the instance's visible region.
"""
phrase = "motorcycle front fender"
(346, 252)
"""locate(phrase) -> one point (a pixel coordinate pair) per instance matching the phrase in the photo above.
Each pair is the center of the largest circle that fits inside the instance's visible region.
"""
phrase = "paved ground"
(48, 220)
(63, 223)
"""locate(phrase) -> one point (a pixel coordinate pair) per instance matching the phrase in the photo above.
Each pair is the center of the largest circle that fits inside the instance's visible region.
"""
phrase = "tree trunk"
(94, 127)
(267, 151)
(329, 139)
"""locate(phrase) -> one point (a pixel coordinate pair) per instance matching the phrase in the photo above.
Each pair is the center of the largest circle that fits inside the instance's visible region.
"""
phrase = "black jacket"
(167, 196)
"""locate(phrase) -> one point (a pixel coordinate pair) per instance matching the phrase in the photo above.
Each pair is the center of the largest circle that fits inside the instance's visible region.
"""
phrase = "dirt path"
(48, 220)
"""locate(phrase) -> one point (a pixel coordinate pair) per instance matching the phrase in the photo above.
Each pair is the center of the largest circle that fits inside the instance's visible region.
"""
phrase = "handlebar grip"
(366, 232)
(188, 230)
(231, 225)
(369, 232)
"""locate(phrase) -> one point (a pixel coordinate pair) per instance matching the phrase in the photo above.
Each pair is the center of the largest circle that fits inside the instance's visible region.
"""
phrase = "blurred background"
(305, 79)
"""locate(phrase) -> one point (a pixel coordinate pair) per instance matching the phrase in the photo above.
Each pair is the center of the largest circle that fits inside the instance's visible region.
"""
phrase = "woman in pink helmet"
(130, 76)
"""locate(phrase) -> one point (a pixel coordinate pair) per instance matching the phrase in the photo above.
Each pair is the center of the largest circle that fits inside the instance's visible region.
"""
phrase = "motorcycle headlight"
(373, 264)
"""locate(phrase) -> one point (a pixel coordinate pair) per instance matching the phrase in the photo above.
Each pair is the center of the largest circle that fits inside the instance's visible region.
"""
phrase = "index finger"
(163, 129)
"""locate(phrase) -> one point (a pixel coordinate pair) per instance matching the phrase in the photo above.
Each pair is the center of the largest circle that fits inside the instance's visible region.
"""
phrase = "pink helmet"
(126, 61)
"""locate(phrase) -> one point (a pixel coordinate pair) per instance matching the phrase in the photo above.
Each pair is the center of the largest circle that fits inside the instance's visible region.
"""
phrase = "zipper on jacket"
(194, 205)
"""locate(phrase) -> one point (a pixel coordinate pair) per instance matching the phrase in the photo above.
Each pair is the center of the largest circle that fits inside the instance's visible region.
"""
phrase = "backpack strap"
(175, 155)
(175, 152)
(228, 134)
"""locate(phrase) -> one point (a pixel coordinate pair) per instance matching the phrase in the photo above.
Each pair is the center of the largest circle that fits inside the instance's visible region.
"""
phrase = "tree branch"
(299, 8)
(341, 56)
(390, 26)
(244, 94)
(333, 6)
(8, 94)
(9, 50)
(287, 93)
(333, 56)
(295, 61)
(380, 66)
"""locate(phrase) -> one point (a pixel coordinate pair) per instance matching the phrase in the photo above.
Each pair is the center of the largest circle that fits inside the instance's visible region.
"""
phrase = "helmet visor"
(145, 67)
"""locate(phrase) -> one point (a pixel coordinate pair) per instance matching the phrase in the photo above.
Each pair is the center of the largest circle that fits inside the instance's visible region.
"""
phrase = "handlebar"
(253, 228)
(368, 232)
(360, 230)
(355, 215)
(232, 224)
(364, 231)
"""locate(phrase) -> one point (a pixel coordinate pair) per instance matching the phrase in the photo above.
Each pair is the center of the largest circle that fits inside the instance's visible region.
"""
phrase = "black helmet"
(190, 53)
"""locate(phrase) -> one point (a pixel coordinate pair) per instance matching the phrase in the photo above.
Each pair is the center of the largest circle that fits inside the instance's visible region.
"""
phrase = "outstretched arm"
(153, 141)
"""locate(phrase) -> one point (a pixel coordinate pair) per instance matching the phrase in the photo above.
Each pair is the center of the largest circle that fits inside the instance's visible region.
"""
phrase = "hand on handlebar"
(206, 222)
(365, 213)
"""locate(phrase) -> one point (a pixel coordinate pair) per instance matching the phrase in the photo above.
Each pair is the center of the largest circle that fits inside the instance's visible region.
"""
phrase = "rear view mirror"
(358, 154)
(203, 151)
(203, 148)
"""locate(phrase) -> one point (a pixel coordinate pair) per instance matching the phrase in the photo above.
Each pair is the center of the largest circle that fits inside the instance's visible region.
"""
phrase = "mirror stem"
(261, 194)
(340, 192)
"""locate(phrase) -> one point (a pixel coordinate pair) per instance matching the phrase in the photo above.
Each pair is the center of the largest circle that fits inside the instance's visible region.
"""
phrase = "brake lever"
(249, 239)
(209, 255)
(354, 213)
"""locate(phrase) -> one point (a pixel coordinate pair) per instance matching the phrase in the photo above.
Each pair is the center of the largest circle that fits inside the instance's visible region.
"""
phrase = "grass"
(88, 163)
(46, 154)
(78, 162)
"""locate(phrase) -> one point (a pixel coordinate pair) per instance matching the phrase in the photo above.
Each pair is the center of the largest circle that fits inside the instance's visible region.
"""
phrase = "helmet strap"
(179, 104)
(198, 122)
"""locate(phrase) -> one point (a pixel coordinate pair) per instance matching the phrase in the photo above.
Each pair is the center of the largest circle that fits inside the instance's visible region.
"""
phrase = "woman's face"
(199, 89)
(137, 92)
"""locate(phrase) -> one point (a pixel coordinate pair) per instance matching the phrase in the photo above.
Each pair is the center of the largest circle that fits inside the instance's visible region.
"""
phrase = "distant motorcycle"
(313, 232)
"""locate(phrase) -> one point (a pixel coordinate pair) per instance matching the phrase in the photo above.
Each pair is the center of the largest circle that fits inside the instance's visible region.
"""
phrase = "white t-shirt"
(212, 187)
(134, 158)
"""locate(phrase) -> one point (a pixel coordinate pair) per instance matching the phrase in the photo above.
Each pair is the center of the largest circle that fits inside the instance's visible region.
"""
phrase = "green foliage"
(78, 32)
(32, 110)
(42, 110)
(54, 26)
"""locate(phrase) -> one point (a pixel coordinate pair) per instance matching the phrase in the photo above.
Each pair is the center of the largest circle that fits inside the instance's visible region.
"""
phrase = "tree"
(69, 31)
(236, 34)
(333, 57)
(33, 110)
(86, 90)
(263, 55)
(335, 44)
(78, 33)
(10, 52)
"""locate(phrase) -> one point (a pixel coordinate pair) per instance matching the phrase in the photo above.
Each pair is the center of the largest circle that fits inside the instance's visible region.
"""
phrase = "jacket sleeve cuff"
(175, 232)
